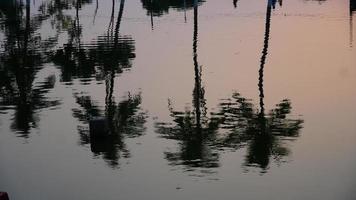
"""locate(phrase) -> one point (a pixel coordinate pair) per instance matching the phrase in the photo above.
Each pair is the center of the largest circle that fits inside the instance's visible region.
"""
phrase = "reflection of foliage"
(238, 116)
(36, 100)
(74, 62)
(196, 139)
(55, 8)
(27, 103)
(193, 129)
(125, 120)
(237, 124)
(160, 7)
(114, 55)
(110, 52)
(102, 56)
(24, 51)
(21, 38)
(264, 136)
(280, 2)
(129, 118)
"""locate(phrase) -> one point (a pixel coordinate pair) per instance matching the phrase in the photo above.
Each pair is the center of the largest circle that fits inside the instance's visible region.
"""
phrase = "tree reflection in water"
(263, 135)
(237, 124)
(161, 7)
(193, 129)
(108, 55)
(22, 55)
(157, 8)
(201, 135)
(126, 120)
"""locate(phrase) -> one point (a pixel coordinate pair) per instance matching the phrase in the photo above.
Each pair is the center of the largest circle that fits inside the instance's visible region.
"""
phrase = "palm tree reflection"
(22, 57)
(157, 8)
(193, 129)
(109, 55)
(237, 123)
(126, 120)
(160, 7)
(263, 135)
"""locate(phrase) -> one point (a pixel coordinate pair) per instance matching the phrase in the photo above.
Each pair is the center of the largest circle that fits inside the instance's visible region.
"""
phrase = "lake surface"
(204, 100)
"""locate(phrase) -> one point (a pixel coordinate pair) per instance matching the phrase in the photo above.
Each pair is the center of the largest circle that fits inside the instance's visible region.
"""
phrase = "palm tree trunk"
(262, 65)
(197, 89)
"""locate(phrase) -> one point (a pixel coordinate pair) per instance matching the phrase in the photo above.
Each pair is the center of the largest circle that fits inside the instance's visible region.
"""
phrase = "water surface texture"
(204, 99)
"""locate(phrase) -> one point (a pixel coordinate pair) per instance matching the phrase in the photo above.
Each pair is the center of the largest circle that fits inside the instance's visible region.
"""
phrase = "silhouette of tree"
(24, 52)
(126, 120)
(237, 123)
(55, 9)
(263, 135)
(193, 129)
(157, 8)
(109, 53)
(160, 7)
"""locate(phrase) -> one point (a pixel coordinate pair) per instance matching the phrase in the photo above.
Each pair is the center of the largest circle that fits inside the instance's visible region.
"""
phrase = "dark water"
(204, 99)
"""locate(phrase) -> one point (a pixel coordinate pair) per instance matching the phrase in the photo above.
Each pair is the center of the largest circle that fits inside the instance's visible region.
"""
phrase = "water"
(204, 99)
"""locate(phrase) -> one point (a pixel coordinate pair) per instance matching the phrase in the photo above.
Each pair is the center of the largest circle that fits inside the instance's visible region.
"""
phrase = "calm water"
(209, 99)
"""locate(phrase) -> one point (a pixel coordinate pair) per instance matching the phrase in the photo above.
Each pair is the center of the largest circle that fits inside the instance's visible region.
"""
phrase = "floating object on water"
(4, 196)
(98, 127)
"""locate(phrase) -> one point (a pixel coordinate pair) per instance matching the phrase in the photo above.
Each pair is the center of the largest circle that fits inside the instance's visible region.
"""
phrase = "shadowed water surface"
(203, 99)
